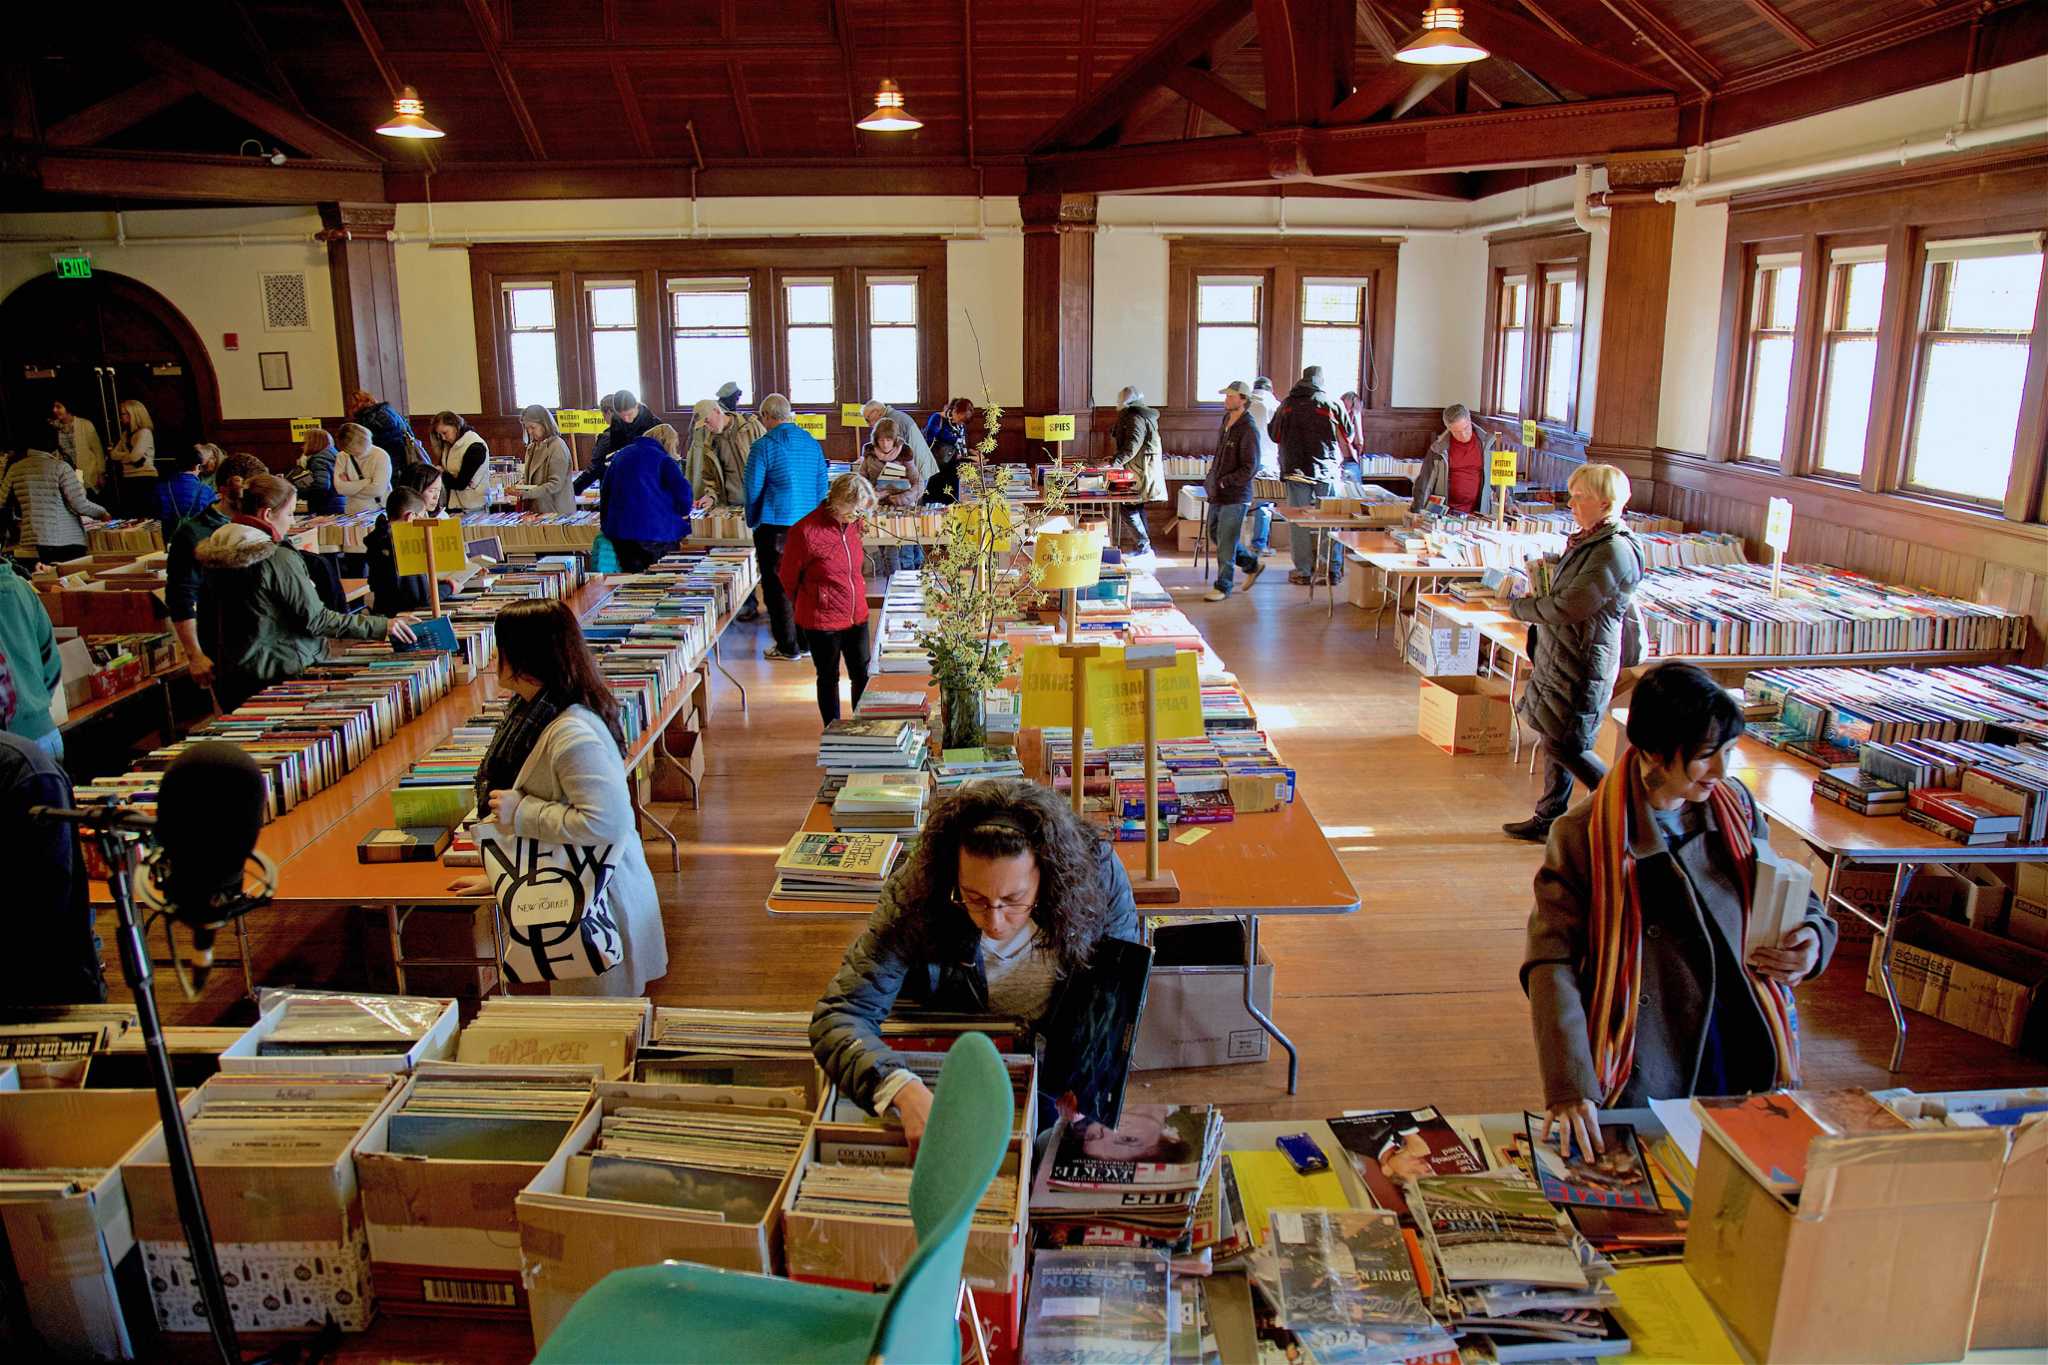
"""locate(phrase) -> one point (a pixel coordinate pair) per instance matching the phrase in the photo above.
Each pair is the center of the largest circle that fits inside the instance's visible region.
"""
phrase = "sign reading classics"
(302, 427)
(1504, 466)
(409, 543)
(1778, 525)
(813, 422)
(579, 421)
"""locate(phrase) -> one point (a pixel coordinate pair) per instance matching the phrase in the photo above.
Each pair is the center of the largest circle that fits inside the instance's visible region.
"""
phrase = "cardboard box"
(1438, 647)
(2026, 921)
(1464, 715)
(1194, 1005)
(2030, 880)
(569, 1241)
(293, 1231)
(868, 1254)
(1361, 591)
(1974, 980)
(444, 1235)
(1186, 535)
(1869, 889)
(66, 1251)
(2012, 1309)
(437, 1045)
(1986, 894)
(1879, 1260)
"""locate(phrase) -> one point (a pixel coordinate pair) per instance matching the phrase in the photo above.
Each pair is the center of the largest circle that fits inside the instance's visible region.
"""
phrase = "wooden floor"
(1411, 1001)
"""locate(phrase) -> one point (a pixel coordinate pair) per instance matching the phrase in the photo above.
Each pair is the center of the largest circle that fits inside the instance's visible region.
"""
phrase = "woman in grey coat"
(1648, 886)
(544, 482)
(1575, 642)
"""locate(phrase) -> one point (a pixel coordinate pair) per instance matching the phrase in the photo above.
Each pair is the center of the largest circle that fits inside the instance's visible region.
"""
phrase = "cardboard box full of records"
(305, 1032)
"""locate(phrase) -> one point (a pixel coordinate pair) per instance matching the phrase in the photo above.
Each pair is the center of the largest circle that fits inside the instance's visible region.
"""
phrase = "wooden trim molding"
(1532, 254)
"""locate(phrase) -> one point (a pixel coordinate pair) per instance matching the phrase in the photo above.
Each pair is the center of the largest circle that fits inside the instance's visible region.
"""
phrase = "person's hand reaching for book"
(400, 633)
(1789, 962)
(913, 1104)
(1576, 1122)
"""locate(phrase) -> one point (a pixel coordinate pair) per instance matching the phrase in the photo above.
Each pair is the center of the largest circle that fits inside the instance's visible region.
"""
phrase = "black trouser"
(827, 648)
(52, 555)
(768, 543)
(1141, 534)
(636, 555)
(1560, 765)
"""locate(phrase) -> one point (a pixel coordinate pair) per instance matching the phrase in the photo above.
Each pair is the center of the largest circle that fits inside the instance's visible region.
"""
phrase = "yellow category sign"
(853, 414)
(1034, 428)
(1059, 428)
(1530, 431)
(986, 521)
(302, 426)
(1069, 559)
(1115, 694)
(579, 421)
(409, 541)
(813, 422)
(1048, 688)
(1504, 465)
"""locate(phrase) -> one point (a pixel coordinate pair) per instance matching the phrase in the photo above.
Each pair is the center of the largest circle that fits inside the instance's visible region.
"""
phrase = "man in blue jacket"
(785, 483)
(644, 504)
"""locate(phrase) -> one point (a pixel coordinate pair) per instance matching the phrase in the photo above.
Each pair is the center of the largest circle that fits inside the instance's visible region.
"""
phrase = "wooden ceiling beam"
(636, 117)
(750, 128)
(1206, 90)
(1307, 48)
(279, 82)
(1544, 19)
(1665, 42)
(117, 113)
(21, 103)
(486, 25)
(310, 136)
(1384, 88)
(1566, 64)
(1445, 186)
(131, 176)
(1376, 31)
(1178, 46)
(373, 43)
(467, 181)
(1775, 17)
(1153, 103)
(1551, 134)
(842, 29)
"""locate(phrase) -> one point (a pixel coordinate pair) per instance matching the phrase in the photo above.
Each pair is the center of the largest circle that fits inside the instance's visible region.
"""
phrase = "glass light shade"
(411, 118)
(1442, 41)
(889, 115)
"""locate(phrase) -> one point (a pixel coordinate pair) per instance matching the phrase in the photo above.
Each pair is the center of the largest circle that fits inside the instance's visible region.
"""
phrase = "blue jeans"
(1302, 543)
(52, 743)
(1226, 524)
(1262, 526)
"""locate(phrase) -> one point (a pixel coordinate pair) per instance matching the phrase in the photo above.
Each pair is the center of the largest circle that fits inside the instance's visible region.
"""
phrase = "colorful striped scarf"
(1615, 931)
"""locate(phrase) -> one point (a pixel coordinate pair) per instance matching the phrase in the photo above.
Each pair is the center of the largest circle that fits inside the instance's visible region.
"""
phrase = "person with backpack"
(1136, 436)
(1309, 430)
(389, 431)
(1579, 641)
(465, 463)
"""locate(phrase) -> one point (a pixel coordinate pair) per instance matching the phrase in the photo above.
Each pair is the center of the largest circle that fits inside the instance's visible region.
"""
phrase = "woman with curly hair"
(1002, 904)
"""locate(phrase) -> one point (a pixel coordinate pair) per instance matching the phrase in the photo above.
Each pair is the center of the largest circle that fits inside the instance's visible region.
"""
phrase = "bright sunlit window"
(1774, 311)
(711, 330)
(1976, 320)
(530, 329)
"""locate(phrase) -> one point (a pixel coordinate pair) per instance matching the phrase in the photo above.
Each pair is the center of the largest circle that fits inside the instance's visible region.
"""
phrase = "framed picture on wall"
(276, 367)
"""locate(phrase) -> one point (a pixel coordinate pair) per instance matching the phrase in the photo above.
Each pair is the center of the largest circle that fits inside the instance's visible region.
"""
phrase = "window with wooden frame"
(1978, 302)
(1848, 359)
(1242, 307)
(1510, 344)
(892, 317)
(1767, 357)
(711, 333)
(807, 309)
(529, 321)
(614, 312)
(1558, 361)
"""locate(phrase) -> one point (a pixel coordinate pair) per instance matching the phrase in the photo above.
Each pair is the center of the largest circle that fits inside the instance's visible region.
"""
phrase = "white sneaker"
(1215, 595)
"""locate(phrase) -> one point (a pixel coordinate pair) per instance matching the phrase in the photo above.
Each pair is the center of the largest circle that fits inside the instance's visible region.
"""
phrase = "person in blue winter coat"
(644, 503)
(785, 484)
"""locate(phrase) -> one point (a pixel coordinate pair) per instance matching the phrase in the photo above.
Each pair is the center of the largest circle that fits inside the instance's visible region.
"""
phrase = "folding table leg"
(1259, 1017)
(718, 661)
(1902, 881)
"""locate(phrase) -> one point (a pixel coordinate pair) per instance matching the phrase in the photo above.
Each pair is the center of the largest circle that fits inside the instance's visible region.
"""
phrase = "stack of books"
(836, 867)
(851, 746)
(877, 704)
(1728, 609)
(1848, 785)
(440, 789)
(1960, 817)
(1139, 1183)
(958, 767)
(2011, 779)
(879, 803)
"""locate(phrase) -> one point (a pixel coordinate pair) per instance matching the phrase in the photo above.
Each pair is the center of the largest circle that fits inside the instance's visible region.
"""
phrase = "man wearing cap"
(729, 396)
(1136, 437)
(1229, 488)
(1307, 429)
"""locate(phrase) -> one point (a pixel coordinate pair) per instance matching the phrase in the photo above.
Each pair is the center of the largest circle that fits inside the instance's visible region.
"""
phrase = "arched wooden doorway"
(94, 343)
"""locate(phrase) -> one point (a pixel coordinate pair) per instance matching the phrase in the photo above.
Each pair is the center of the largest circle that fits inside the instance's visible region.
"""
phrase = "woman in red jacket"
(821, 572)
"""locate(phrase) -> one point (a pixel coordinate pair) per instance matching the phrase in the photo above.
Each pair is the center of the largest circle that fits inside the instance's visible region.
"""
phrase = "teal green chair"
(677, 1312)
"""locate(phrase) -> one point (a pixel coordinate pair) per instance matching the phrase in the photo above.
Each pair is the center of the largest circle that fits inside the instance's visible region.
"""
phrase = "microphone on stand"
(209, 811)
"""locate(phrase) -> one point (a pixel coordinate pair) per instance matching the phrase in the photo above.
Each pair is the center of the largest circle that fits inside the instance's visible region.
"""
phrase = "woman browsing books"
(1004, 902)
(1637, 984)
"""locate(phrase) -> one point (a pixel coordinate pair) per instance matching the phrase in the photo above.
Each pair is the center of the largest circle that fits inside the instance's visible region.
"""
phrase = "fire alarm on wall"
(231, 341)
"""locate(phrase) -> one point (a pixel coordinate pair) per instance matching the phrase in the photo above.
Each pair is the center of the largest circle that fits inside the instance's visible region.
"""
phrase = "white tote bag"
(554, 900)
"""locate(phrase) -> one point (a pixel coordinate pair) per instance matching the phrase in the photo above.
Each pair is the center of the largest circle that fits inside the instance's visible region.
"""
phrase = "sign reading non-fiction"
(1116, 696)
(409, 542)
(813, 422)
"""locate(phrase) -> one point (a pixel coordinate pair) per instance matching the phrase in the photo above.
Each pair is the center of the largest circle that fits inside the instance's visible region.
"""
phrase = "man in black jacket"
(1229, 489)
(1308, 428)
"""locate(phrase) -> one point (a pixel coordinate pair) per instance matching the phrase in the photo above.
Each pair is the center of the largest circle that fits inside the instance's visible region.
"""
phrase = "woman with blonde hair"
(362, 471)
(134, 458)
(669, 438)
(544, 482)
(1576, 637)
(821, 572)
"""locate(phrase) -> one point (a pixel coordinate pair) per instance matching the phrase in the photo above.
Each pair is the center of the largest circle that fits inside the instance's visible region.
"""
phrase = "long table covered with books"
(1255, 864)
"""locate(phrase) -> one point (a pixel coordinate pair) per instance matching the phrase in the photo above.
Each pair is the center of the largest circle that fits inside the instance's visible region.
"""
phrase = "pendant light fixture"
(1442, 41)
(889, 115)
(411, 118)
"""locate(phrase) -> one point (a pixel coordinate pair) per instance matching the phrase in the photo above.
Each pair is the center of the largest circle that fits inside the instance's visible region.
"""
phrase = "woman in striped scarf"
(1638, 987)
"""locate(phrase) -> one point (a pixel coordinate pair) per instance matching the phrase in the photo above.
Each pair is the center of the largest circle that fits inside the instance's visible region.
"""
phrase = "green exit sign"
(74, 267)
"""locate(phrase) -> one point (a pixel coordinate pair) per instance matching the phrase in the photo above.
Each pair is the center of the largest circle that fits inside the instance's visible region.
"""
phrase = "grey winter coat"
(1575, 638)
(1136, 436)
(846, 1026)
(1692, 950)
(1435, 478)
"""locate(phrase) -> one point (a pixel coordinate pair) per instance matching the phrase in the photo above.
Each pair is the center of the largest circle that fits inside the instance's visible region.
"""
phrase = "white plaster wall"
(216, 285)
(1130, 315)
(1439, 312)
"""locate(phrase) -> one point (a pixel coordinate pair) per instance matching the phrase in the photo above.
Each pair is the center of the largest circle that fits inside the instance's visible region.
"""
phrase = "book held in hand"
(1615, 1177)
